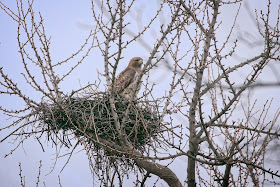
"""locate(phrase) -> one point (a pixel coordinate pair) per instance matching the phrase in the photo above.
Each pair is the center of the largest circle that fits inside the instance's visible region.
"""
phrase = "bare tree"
(223, 133)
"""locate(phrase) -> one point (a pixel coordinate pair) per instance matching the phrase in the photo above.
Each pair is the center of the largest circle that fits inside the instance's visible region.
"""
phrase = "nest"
(92, 119)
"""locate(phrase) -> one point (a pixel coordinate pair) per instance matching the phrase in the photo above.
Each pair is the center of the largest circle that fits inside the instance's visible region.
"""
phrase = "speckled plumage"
(126, 80)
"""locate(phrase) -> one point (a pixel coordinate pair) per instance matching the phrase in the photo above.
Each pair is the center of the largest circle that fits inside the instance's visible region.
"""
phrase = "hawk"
(126, 80)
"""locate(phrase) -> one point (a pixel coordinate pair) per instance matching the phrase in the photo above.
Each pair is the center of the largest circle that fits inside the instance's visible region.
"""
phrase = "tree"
(204, 115)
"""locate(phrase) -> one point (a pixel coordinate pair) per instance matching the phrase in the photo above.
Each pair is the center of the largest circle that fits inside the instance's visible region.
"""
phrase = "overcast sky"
(68, 23)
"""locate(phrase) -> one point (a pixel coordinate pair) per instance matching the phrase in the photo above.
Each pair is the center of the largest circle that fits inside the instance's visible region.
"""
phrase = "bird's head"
(136, 63)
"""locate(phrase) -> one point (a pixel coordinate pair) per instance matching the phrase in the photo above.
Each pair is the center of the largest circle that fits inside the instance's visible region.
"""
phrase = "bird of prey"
(126, 80)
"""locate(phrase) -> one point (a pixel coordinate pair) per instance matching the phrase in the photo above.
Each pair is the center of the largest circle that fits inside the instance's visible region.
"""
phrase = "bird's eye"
(137, 60)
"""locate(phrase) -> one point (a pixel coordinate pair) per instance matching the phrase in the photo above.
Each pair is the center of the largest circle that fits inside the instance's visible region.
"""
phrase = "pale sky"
(68, 23)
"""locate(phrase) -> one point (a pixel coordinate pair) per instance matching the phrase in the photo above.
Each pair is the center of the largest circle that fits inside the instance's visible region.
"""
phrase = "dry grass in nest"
(93, 116)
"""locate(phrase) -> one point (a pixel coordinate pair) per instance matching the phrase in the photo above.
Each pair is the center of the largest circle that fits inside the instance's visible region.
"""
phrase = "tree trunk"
(162, 171)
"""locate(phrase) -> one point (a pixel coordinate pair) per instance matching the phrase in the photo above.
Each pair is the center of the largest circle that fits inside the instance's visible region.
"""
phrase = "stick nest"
(92, 119)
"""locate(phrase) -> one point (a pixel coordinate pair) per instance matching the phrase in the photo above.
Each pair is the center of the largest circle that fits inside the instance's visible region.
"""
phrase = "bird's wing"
(124, 79)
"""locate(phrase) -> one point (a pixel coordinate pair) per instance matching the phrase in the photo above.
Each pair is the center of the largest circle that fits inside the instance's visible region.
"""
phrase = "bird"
(126, 80)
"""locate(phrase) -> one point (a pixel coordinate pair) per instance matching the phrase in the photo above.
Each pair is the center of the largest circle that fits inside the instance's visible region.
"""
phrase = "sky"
(68, 23)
